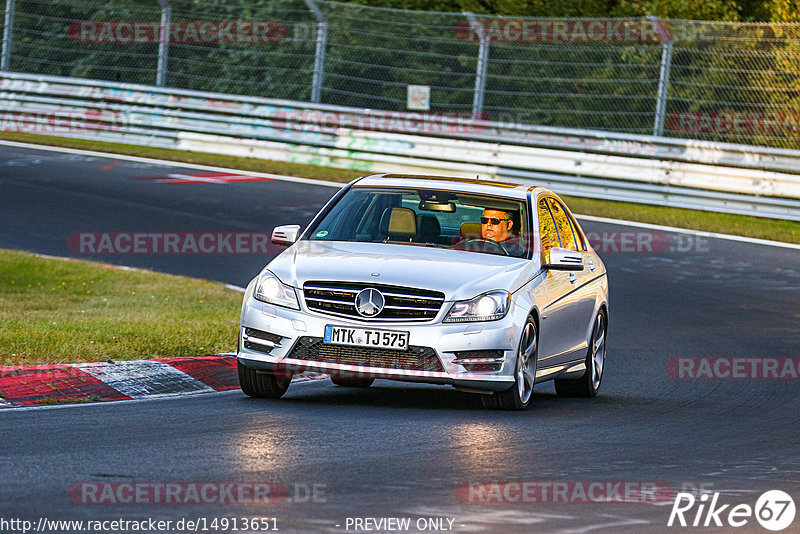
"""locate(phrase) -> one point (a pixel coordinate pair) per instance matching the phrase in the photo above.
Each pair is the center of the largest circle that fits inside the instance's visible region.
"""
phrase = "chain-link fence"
(735, 82)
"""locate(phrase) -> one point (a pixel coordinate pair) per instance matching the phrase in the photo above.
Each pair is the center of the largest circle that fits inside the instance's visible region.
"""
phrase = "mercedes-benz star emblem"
(369, 302)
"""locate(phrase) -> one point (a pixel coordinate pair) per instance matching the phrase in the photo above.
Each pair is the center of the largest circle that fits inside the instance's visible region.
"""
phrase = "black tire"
(589, 384)
(520, 395)
(262, 384)
(352, 382)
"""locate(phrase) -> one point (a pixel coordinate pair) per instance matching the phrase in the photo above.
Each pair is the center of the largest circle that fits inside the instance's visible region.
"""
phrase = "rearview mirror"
(564, 259)
(285, 235)
(432, 205)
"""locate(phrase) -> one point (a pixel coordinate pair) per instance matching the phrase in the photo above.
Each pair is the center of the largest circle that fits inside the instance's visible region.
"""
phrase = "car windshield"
(433, 218)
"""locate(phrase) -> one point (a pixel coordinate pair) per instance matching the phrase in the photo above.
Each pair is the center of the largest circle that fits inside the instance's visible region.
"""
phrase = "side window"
(547, 230)
(577, 232)
(343, 218)
(563, 225)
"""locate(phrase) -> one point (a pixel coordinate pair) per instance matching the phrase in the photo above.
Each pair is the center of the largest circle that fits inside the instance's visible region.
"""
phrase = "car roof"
(451, 183)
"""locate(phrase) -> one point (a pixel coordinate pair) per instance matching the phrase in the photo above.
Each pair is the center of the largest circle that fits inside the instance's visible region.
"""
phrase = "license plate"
(365, 337)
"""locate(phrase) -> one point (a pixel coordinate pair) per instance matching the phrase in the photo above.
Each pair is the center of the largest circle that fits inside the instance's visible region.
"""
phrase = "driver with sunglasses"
(497, 226)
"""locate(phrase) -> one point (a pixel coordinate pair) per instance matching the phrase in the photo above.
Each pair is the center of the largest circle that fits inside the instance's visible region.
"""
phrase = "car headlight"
(487, 307)
(270, 289)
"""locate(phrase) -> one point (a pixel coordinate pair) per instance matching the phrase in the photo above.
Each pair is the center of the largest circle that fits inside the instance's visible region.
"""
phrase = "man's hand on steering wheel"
(484, 241)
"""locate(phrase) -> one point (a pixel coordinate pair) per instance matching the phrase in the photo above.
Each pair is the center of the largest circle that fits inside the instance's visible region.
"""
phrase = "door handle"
(591, 266)
(572, 278)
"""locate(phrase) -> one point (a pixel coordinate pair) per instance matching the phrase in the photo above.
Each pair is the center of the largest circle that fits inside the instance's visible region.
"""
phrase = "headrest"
(399, 222)
(470, 230)
(428, 226)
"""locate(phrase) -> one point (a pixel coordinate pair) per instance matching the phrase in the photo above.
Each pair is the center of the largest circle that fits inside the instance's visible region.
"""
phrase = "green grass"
(763, 228)
(55, 311)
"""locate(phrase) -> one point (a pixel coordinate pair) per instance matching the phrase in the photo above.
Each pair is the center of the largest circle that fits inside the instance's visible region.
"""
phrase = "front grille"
(254, 340)
(402, 303)
(414, 359)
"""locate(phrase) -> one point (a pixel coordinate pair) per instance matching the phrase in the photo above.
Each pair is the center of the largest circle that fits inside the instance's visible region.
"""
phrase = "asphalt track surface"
(399, 450)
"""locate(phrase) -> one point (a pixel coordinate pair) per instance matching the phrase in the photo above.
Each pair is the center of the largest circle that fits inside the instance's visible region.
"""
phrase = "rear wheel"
(352, 382)
(589, 383)
(520, 395)
(262, 384)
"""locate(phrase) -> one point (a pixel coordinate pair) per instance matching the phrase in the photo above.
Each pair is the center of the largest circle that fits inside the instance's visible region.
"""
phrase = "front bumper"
(444, 340)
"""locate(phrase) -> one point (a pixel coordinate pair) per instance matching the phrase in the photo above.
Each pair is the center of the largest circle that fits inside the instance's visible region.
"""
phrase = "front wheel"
(589, 384)
(520, 395)
(262, 384)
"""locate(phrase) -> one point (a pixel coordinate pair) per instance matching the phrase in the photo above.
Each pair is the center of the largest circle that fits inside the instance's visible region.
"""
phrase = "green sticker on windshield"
(323, 233)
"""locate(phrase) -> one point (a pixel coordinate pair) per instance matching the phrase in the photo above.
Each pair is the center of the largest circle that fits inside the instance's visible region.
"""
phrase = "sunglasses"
(494, 220)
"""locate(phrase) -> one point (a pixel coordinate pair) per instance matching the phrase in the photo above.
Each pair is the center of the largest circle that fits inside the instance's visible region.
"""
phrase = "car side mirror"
(285, 235)
(564, 259)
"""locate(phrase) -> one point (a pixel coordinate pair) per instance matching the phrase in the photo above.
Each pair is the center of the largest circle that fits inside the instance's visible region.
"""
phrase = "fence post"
(483, 65)
(8, 28)
(319, 56)
(663, 78)
(163, 42)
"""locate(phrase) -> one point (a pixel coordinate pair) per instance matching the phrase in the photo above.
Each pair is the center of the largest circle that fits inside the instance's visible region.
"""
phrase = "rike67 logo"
(774, 510)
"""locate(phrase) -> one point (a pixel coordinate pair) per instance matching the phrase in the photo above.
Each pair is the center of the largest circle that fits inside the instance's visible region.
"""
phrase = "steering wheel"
(483, 240)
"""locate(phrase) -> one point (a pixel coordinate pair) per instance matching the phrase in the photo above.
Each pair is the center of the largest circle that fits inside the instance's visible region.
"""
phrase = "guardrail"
(701, 175)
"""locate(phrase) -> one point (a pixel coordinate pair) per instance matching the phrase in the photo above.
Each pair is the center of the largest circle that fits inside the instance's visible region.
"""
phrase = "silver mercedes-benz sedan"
(487, 286)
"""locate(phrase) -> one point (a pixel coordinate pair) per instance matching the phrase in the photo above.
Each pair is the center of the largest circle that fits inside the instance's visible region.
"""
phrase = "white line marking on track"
(235, 288)
(700, 233)
(121, 267)
(338, 185)
(171, 163)
(151, 398)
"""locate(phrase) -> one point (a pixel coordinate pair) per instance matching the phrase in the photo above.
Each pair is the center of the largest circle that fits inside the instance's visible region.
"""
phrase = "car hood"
(459, 274)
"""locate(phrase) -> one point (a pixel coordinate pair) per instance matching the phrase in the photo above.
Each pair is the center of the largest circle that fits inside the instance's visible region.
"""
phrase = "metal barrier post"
(483, 65)
(163, 42)
(319, 56)
(8, 28)
(663, 78)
